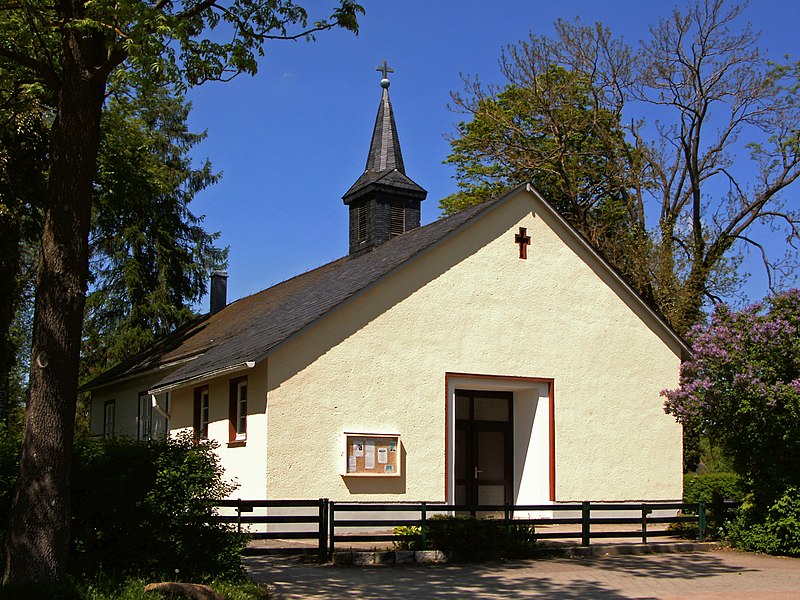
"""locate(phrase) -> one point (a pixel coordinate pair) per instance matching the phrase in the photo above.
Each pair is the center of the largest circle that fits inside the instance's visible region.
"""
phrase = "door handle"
(477, 470)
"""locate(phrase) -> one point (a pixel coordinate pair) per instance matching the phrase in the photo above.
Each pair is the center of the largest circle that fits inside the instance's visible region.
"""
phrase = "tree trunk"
(38, 540)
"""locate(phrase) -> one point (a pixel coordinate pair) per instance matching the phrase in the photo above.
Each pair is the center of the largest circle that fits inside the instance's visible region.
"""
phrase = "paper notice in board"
(383, 455)
(358, 447)
(351, 464)
(369, 455)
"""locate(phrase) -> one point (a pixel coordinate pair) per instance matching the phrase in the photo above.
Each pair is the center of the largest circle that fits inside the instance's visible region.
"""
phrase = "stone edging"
(406, 557)
(389, 557)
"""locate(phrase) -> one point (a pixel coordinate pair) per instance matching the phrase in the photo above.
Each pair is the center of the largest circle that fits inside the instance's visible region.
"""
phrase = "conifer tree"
(151, 258)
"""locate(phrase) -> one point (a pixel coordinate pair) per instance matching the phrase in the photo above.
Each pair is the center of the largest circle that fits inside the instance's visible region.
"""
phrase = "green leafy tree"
(557, 133)
(24, 123)
(150, 256)
(742, 388)
(695, 195)
(74, 49)
(19, 338)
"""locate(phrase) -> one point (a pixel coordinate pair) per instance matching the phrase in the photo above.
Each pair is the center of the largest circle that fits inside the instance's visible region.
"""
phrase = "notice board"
(372, 454)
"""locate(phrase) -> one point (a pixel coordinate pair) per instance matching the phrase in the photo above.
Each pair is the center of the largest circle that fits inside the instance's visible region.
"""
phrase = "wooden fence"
(329, 523)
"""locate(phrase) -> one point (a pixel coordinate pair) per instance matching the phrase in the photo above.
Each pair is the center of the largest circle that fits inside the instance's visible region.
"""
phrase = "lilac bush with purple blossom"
(742, 388)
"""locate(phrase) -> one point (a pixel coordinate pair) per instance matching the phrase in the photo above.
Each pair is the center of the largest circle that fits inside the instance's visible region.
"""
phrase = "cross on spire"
(524, 241)
(385, 69)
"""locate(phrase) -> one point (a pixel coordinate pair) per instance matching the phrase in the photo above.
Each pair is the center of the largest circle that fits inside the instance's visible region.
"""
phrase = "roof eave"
(201, 377)
(356, 192)
(90, 386)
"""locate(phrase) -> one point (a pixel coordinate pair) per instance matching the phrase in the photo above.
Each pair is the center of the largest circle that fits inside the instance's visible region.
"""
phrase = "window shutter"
(397, 218)
(196, 419)
(232, 411)
(361, 222)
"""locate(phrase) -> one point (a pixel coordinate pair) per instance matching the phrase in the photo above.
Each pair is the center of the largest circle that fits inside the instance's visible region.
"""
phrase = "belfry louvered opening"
(361, 223)
(397, 218)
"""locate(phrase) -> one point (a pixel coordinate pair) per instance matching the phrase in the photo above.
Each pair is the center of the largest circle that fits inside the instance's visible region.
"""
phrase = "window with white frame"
(160, 427)
(238, 410)
(109, 416)
(145, 420)
(201, 412)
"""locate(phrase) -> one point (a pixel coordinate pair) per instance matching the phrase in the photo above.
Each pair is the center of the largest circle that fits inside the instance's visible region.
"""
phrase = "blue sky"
(291, 140)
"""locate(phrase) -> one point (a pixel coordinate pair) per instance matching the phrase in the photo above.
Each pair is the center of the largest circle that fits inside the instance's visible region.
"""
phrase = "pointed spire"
(384, 160)
(384, 150)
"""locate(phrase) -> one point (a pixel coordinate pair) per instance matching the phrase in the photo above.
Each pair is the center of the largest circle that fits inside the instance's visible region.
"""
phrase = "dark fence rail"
(328, 522)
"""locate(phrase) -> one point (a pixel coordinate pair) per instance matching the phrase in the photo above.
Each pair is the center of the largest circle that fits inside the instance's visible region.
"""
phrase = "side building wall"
(244, 461)
(128, 420)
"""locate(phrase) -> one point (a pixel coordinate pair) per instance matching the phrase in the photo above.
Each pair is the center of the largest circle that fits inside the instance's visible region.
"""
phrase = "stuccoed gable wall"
(470, 305)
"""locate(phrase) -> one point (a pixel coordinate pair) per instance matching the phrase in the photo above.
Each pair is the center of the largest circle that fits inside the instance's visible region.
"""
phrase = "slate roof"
(384, 169)
(248, 329)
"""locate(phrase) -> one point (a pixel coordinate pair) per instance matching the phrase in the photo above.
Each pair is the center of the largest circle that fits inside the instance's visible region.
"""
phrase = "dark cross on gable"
(385, 69)
(524, 241)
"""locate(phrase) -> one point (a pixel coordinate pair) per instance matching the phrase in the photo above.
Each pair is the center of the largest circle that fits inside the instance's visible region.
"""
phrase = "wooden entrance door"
(484, 447)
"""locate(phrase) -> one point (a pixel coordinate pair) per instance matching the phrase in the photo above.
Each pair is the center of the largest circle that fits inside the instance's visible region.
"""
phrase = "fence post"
(585, 530)
(332, 526)
(718, 512)
(424, 525)
(507, 522)
(701, 522)
(645, 512)
(323, 530)
(239, 515)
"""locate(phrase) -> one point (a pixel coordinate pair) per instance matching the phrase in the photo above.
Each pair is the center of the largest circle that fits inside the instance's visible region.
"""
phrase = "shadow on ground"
(419, 582)
(559, 579)
(671, 566)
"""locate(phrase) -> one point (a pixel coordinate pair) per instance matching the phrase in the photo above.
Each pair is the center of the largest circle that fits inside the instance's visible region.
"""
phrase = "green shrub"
(471, 539)
(147, 510)
(140, 509)
(411, 538)
(466, 537)
(711, 487)
(776, 532)
(520, 542)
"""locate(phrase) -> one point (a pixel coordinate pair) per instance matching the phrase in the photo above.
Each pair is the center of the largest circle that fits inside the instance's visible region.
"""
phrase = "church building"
(491, 356)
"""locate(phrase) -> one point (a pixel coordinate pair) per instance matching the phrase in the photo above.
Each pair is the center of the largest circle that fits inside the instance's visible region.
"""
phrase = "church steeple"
(384, 201)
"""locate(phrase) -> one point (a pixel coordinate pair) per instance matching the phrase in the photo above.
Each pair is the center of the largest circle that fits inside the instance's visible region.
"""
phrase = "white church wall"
(471, 305)
(244, 463)
(531, 445)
